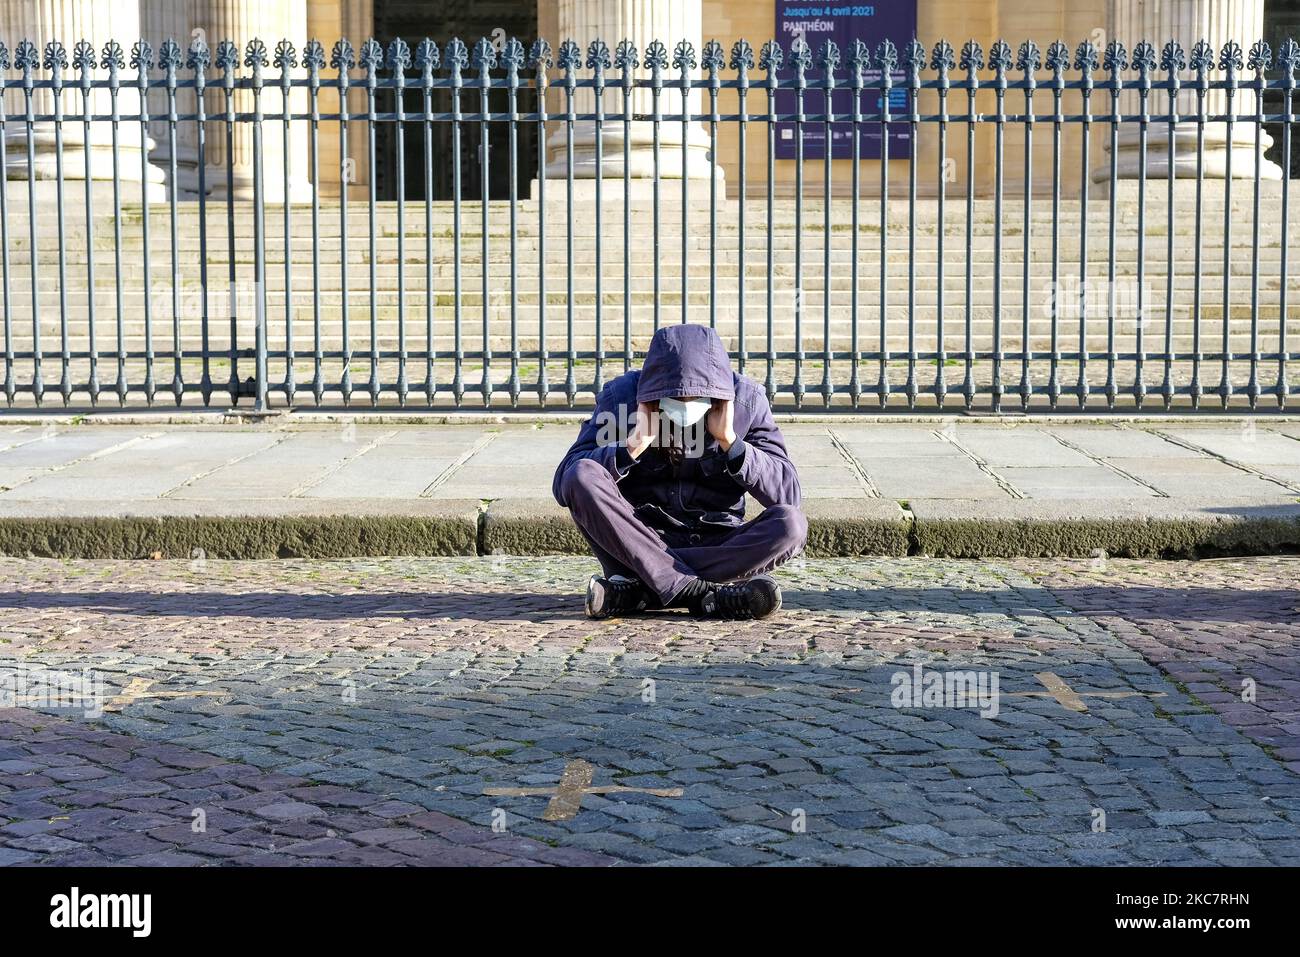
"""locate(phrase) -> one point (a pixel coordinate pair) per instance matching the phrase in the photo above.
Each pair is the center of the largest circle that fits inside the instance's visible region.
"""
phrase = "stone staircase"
(811, 308)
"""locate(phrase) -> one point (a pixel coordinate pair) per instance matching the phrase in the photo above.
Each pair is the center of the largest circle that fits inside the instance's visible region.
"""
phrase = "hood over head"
(685, 360)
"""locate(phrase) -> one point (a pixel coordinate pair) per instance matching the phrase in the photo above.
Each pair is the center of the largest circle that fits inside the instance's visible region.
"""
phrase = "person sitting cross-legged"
(664, 510)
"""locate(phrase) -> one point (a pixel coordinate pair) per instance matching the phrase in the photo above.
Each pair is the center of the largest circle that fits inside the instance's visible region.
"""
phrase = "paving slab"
(299, 461)
(1109, 441)
(1020, 446)
(951, 474)
(1071, 481)
(40, 452)
(485, 486)
(397, 464)
(146, 468)
(1198, 477)
(1248, 443)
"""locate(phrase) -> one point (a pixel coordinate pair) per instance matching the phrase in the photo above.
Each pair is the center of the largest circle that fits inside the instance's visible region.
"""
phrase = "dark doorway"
(413, 20)
(1281, 23)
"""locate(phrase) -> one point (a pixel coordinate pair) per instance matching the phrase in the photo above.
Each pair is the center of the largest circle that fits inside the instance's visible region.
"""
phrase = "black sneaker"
(615, 596)
(757, 598)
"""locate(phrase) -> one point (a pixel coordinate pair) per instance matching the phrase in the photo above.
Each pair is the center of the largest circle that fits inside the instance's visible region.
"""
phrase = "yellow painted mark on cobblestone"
(575, 781)
(138, 688)
(1072, 700)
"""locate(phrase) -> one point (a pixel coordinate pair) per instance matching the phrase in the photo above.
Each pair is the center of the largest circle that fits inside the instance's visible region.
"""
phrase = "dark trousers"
(625, 545)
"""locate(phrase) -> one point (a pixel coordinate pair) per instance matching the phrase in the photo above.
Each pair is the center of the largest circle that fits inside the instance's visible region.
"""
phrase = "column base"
(273, 187)
(1214, 160)
(74, 195)
(638, 190)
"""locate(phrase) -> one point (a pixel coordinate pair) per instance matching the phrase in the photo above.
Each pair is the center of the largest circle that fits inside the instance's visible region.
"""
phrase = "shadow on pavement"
(1221, 604)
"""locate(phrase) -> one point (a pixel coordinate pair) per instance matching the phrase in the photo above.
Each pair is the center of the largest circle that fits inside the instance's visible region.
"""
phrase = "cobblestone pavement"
(362, 711)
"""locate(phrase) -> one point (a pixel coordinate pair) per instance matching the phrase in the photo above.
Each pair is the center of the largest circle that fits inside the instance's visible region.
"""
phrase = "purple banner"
(871, 23)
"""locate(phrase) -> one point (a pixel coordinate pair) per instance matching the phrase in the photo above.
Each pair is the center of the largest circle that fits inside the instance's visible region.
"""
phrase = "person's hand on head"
(645, 428)
(721, 422)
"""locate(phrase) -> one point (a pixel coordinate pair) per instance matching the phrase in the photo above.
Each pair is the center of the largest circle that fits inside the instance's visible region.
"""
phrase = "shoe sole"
(776, 602)
(595, 596)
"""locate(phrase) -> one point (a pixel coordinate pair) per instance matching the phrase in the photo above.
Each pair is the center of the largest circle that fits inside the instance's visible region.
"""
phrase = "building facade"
(640, 21)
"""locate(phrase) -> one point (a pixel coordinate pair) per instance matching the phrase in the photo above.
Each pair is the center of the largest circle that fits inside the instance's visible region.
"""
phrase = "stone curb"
(836, 528)
(245, 530)
(344, 528)
(1129, 528)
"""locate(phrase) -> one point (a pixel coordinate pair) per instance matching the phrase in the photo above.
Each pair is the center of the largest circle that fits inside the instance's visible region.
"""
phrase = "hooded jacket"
(701, 493)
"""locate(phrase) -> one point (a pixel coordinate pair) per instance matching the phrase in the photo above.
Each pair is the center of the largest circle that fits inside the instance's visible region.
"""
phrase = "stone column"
(328, 21)
(640, 21)
(69, 21)
(241, 21)
(1188, 22)
(173, 20)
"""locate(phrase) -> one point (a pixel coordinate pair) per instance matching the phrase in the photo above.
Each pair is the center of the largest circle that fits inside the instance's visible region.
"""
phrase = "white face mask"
(685, 414)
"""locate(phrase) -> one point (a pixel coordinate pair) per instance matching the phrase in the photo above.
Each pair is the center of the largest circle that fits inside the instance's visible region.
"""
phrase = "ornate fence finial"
(111, 58)
(1202, 59)
(1288, 57)
(941, 61)
(170, 57)
(914, 59)
(485, 56)
(656, 58)
(713, 58)
(141, 56)
(255, 56)
(313, 56)
(372, 58)
(771, 57)
(342, 57)
(539, 56)
(1144, 61)
(456, 56)
(56, 57)
(570, 58)
(227, 56)
(399, 56)
(1000, 58)
(742, 57)
(1058, 58)
(199, 57)
(684, 57)
(1086, 58)
(513, 56)
(1261, 57)
(286, 57)
(1116, 59)
(801, 55)
(27, 58)
(1029, 59)
(598, 59)
(83, 57)
(427, 57)
(972, 57)
(625, 59)
(1172, 58)
(1230, 58)
(828, 55)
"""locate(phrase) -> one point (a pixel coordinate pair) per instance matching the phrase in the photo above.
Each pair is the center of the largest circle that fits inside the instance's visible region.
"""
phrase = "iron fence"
(834, 294)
